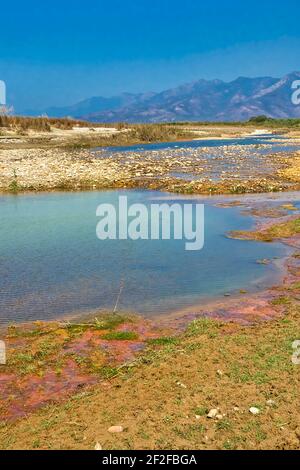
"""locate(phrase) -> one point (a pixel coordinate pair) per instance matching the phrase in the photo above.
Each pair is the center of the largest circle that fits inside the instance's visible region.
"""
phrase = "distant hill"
(203, 100)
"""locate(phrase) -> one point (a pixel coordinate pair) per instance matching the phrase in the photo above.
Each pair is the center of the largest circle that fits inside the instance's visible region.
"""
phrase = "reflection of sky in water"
(193, 144)
(51, 262)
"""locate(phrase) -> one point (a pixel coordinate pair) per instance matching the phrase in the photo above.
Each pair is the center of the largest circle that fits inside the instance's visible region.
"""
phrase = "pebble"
(224, 165)
(114, 429)
(181, 385)
(213, 413)
(270, 402)
(98, 446)
(255, 411)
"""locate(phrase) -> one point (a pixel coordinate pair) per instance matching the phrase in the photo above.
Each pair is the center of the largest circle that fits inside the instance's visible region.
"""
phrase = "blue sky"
(59, 52)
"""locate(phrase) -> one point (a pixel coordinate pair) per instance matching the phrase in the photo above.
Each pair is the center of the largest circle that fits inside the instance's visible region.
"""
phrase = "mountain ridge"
(201, 100)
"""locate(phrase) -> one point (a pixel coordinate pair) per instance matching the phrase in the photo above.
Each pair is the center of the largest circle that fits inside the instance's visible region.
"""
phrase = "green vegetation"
(201, 411)
(258, 121)
(283, 300)
(270, 122)
(156, 133)
(163, 340)
(281, 230)
(14, 186)
(121, 336)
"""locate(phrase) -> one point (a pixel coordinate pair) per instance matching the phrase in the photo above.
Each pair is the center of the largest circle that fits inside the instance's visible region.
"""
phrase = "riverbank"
(27, 133)
(223, 169)
(98, 373)
(162, 398)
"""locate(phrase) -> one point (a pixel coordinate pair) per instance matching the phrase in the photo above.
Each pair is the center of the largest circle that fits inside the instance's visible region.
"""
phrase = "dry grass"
(42, 124)
(292, 172)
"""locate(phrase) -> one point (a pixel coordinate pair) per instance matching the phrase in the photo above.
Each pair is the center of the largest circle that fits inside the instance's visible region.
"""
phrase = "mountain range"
(202, 100)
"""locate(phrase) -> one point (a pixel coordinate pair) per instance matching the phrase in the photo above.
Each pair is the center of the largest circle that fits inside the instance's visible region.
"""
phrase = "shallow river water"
(52, 264)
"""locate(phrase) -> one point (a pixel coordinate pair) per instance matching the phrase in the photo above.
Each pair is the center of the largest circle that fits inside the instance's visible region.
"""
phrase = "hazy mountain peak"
(200, 100)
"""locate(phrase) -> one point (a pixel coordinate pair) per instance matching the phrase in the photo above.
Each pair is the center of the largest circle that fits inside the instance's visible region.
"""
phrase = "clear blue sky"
(58, 52)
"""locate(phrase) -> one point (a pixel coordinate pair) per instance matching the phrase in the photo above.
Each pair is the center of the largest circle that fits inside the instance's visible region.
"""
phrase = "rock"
(271, 403)
(219, 373)
(236, 408)
(213, 413)
(197, 417)
(219, 417)
(114, 429)
(255, 411)
(263, 261)
(98, 446)
(181, 385)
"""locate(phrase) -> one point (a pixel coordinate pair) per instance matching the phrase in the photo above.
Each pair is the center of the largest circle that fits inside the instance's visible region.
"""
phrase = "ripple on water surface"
(52, 264)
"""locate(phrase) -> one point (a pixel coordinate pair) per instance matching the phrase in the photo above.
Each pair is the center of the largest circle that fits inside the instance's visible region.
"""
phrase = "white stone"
(254, 411)
(213, 413)
(181, 385)
(114, 429)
